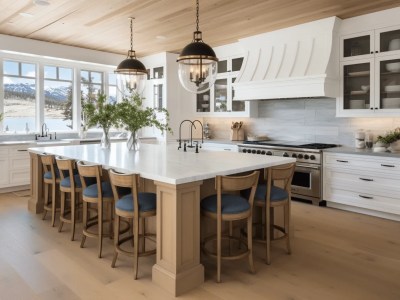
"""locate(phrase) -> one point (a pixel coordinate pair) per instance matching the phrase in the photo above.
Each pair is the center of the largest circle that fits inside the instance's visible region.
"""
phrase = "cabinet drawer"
(19, 150)
(363, 162)
(17, 163)
(363, 200)
(360, 181)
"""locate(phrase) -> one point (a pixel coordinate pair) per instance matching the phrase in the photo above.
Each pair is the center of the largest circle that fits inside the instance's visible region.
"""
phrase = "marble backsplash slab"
(311, 120)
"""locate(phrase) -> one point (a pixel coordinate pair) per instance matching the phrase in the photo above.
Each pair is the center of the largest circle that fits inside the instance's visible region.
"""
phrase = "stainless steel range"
(307, 178)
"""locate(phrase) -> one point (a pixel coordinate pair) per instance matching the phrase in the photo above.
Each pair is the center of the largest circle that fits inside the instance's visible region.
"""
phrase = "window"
(112, 88)
(91, 84)
(58, 97)
(19, 83)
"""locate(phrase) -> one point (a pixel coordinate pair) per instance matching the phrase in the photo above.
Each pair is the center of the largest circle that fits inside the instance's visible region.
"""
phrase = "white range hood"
(299, 61)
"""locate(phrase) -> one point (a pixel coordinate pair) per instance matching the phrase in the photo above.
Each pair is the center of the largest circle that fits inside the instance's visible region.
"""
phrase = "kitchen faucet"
(45, 129)
(180, 138)
(202, 131)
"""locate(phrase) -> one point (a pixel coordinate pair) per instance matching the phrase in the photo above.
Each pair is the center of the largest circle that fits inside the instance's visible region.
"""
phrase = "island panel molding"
(178, 177)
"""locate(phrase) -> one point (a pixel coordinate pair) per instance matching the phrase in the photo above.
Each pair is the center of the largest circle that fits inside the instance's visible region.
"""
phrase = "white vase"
(133, 141)
(105, 140)
(82, 133)
(395, 146)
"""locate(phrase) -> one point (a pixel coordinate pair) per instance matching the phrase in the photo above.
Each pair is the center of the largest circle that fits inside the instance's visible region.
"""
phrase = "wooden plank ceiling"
(165, 25)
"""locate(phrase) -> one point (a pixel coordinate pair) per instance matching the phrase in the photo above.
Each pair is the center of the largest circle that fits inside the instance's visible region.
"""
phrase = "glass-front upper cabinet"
(237, 105)
(389, 83)
(356, 86)
(221, 95)
(388, 40)
(357, 46)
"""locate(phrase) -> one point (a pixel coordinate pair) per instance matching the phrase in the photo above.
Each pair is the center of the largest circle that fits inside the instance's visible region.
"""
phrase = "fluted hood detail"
(299, 61)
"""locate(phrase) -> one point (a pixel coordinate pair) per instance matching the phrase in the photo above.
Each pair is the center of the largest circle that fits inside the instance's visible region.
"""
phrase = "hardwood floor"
(336, 255)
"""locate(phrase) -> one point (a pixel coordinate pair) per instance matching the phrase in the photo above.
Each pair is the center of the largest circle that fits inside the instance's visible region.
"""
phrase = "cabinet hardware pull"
(343, 161)
(366, 179)
(365, 197)
(389, 166)
(22, 150)
(372, 52)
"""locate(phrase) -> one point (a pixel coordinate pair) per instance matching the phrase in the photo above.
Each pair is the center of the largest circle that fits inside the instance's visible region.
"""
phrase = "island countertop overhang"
(165, 163)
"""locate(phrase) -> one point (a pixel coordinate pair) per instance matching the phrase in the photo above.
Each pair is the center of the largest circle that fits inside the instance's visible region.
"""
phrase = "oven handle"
(308, 166)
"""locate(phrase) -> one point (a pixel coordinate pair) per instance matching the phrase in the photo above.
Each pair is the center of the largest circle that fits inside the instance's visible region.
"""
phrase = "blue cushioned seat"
(230, 204)
(66, 182)
(91, 190)
(47, 175)
(277, 193)
(147, 202)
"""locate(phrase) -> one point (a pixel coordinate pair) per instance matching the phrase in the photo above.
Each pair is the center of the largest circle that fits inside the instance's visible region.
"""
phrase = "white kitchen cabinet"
(220, 147)
(4, 179)
(14, 164)
(370, 79)
(219, 100)
(362, 183)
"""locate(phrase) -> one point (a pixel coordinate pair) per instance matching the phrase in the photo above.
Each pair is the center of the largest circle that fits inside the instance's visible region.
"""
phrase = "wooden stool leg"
(135, 247)
(46, 199)
(143, 236)
(219, 233)
(100, 225)
(268, 232)
(116, 240)
(53, 205)
(110, 228)
(73, 207)
(250, 243)
(287, 227)
(62, 211)
(84, 221)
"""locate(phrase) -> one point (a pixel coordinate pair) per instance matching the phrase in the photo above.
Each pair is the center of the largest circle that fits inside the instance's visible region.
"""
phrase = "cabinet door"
(221, 95)
(203, 102)
(357, 89)
(359, 45)
(4, 180)
(388, 83)
(387, 41)
(236, 105)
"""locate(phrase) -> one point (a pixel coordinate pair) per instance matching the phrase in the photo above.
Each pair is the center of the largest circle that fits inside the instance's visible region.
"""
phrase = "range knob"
(285, 154)
(312, 157)
(269, 153)
(258, 151)
(294, 155)
(263, 152)
(253, 151)
(244, 150)
(300, 156)
(306, 156)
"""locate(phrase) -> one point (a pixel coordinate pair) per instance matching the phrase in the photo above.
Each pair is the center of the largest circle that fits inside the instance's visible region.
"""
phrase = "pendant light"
(131, 73)
(197, 63)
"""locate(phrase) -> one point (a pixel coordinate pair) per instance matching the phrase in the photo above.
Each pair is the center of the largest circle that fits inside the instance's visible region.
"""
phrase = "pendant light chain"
(197, 15)
(131, 34)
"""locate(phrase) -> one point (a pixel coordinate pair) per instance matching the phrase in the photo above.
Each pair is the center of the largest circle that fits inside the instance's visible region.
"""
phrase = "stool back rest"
(283, 174)
(49, 163)
(89, 172)
(66, 167)
(236, 183)
(129, 180)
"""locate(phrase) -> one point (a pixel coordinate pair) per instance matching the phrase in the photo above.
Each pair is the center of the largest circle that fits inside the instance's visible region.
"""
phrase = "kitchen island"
(178, 177)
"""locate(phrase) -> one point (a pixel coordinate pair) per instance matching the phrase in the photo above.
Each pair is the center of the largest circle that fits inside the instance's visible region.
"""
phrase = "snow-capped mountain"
(25, 89)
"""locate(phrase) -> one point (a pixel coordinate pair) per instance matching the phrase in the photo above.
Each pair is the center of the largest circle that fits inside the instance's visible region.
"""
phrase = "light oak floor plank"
(336, 255)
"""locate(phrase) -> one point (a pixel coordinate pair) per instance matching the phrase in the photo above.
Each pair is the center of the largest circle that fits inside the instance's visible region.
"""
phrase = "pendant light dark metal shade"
(130, 66)
(197, 50)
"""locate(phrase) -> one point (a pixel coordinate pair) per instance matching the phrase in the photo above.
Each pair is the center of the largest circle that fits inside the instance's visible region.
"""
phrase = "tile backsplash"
(311, 120)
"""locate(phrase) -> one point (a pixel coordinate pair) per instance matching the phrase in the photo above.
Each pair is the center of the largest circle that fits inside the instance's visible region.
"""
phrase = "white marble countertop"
(164, 162)
(351, 150)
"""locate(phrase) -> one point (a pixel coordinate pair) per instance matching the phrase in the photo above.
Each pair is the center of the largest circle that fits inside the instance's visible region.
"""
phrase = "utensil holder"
(237, 134)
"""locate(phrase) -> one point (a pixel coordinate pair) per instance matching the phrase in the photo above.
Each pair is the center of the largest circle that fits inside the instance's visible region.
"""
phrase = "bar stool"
(277, 197)
(135, 207)
(230, 207)
(51, 177)
(99, 193)
(69, 185)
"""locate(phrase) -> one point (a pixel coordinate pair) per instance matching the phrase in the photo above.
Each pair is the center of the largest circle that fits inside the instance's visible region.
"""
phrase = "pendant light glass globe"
(197, 63)
(131, 73)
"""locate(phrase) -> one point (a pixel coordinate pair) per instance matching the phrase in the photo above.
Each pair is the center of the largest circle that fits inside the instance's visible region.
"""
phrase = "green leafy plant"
(133, 116)
(100, 113)
(390, 137)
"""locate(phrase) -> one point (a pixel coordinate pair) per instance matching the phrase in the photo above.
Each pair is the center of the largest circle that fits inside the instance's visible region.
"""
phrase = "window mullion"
(40, 102)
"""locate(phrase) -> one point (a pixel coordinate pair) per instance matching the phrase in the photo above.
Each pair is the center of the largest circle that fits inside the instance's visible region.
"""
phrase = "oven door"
(307, 181)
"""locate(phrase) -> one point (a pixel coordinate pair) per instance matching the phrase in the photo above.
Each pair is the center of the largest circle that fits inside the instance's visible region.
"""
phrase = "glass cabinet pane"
(237, 64)
(389, 41)
(356, 87)
(158, 96)
(357, 46)
(221, 95)
(237, 105)
(203, 102)
(158, 72)
(389, 84)
(222, 66)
